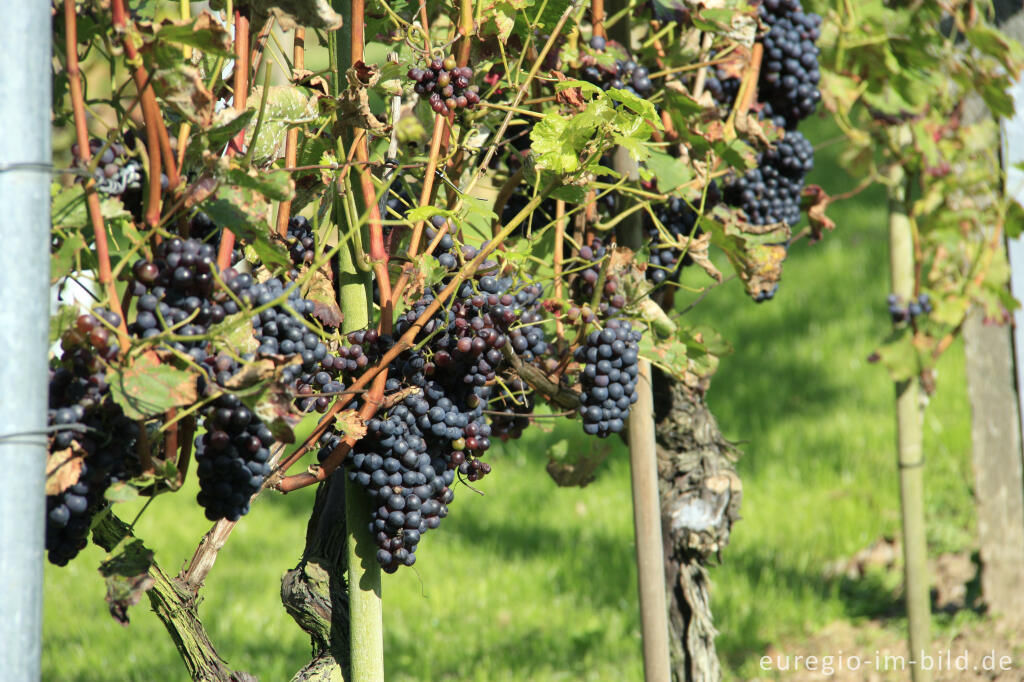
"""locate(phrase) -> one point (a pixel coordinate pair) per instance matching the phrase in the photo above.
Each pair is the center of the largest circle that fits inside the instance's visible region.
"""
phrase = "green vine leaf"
(276, 184)
(899, 355)
(144, 386)
(234, 334)
(247, 213)
(126, 574)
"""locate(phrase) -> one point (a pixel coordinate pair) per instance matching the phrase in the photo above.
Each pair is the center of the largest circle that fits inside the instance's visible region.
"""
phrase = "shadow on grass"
(743, 632)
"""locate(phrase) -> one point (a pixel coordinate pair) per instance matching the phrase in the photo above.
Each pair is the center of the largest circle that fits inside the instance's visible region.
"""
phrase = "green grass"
(533, 582)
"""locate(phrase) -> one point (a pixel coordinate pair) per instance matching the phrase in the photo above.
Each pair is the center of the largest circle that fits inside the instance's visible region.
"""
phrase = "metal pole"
(25, 52)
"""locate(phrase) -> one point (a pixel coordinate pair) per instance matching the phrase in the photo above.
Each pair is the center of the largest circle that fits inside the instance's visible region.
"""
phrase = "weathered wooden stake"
(650, 557)
(909, 436)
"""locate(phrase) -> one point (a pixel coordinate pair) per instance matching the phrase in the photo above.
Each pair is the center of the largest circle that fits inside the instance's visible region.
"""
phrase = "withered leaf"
(351, 424)
(148, 384)
(816, 201)
(63, 468)
(320, 289)
(126, 573)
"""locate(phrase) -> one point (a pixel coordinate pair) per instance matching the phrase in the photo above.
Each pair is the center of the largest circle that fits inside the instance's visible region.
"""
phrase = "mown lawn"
(533, 582)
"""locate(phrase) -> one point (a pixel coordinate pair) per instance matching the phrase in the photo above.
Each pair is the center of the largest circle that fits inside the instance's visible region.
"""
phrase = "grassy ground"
(533, 582)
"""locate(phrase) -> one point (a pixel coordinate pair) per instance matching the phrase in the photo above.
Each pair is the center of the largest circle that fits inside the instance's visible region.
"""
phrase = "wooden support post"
(910, 453)
(995, 439)
(650, 559)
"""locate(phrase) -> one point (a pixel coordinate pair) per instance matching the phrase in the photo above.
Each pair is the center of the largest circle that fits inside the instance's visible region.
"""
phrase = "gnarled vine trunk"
(315, 592)
(700, 500)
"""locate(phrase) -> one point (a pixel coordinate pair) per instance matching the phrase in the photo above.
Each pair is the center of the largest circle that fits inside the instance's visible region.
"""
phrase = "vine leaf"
(575, 467)
(899, 355)
(65, 317)
(1014, 224)
(234, 334)
(671, 172)
(68, 207)
(202, 32)
(320, 289)
(226, 127)
(248, 213)
(669, 354)
(351, 424)
(182, 87)
(123, 492)
(292, 13)
(63, 468)
(816, 201)
(260, 386)
(555, 144)
(276, 185)
(126, 573)
(145, 386)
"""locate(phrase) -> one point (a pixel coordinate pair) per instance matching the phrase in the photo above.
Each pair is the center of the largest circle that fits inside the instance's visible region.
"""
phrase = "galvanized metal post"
(25, 93)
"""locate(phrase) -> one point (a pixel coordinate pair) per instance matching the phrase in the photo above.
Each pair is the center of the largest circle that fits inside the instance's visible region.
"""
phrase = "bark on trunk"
(700, 500)
(315, 592)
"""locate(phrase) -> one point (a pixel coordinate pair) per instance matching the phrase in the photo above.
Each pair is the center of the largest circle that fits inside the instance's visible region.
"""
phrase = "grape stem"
(158, 143)
(176, 608)
(241, 95)
(82, 137)
(291, 145)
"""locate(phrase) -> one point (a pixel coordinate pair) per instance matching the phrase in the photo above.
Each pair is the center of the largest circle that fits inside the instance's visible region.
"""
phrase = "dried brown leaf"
(817, 201)
(63, 468)
(351, 424)
(320, 289)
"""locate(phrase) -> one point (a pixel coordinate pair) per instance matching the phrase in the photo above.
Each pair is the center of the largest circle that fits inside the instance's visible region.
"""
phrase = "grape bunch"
(666, 260)
(301, 244)
(788, 82)
(771, 192)
(116, 173)
(541, 217)
(513, 408)
(723, 88)
(586, 283)
(231, 458)
(287, 329)
(93, 331)
(445, 250)
(446, 85)
(176, 291)
(412, 452)
(406, 478)
(79, 395)
(900, 312)
(202, 227)
(610, 357)
(627, 74)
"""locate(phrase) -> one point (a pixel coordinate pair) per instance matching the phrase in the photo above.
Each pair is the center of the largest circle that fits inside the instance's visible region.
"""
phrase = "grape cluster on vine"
(610, 357)
(116, 172)
(611, 300)
(231, 458)
(99, 439)
(625, 75)
(666, 258)
(771, 193)
(788, 83)
(446, 85)
(901, 312)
